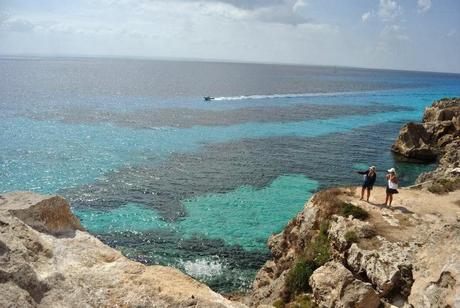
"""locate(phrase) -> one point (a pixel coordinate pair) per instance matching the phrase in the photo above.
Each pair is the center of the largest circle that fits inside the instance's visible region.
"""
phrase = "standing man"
(369, 179)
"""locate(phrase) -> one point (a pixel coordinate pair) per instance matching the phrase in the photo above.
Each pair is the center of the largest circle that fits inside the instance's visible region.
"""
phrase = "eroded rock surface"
(334, 285)
(404, 255)
(48, 260)
(436, 138)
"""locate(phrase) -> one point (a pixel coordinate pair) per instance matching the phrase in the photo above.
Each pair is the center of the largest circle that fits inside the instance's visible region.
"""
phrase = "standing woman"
(392, 186)
(369, 179)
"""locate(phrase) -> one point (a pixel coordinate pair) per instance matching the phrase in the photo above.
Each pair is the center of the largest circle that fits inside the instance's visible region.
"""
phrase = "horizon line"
(211, 60)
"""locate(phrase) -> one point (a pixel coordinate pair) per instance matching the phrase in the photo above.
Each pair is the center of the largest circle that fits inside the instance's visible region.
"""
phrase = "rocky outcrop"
(51, 215)
(436, 138)
(48, 260)
(334, 285)
(415, 142)
(406, 256)
(287, 246)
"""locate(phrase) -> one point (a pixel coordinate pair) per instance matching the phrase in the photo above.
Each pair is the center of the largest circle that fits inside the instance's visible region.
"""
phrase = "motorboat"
(208, 98)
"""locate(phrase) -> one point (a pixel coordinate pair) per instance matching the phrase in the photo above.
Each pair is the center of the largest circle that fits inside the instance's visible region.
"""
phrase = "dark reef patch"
(188, 117)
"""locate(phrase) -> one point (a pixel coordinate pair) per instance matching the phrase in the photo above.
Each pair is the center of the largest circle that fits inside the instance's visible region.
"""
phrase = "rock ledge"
(48, 260)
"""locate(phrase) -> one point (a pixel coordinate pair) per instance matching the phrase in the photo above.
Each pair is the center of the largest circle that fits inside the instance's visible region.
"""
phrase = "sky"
(392, 34)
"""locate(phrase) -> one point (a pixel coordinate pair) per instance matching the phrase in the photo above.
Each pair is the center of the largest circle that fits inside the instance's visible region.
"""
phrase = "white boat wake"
(269, 96)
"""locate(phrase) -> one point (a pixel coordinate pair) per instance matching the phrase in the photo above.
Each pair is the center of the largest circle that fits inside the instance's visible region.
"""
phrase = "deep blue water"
(152, 169)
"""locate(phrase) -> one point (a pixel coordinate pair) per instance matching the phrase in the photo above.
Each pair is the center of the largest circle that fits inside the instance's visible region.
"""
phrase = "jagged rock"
(285, 246)
(424, 141)
(387, 268)
(334, 286)
(268, 290)
(438, 291)
(17, 297)
(445, 140)
(437, 279)
(400, 253)
(437, 137)
(415, 142)
(51, 214)
(39, 269)
(340, 226)
(442, 110)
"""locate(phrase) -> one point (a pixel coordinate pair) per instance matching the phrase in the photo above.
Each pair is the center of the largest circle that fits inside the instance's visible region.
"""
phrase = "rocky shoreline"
(406, 256)
(338, 252)
(47, 259)
(402, 256)
(436, 138)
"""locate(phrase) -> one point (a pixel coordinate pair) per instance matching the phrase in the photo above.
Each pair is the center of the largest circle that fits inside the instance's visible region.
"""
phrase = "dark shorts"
(367, 186)
(392, 191)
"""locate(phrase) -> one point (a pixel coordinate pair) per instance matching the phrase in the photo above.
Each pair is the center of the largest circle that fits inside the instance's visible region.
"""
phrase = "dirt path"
(411, 209)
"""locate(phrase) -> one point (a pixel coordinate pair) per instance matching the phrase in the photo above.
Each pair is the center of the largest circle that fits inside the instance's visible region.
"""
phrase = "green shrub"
(442, 186)
(436, 189)
(279, 303)
(320, 247)
(302, 301)
(298, 276)
(351, 237)
(357, 212)
(315, 255)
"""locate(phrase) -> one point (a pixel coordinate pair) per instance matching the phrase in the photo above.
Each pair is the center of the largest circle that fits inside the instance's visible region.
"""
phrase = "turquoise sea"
(168, 178)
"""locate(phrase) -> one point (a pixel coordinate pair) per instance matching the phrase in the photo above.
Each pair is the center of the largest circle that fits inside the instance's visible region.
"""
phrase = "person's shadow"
(403, 210)
(392, 208)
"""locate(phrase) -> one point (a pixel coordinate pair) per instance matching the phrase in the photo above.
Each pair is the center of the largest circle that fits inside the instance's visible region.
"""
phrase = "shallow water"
(152, 169)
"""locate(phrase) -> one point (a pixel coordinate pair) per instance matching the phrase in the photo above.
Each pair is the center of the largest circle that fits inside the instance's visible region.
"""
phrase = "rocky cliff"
(48, 260)
(437, 138)
(343, 252)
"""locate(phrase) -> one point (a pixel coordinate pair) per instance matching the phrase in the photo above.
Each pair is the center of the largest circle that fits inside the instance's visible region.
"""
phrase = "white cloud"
(394, 32)
(210, 29)
(423, 5)
(300, 5)
(389, 10)
(365, 17)
(16, 24)
(289, 31)
(289, 12)
(392, 40)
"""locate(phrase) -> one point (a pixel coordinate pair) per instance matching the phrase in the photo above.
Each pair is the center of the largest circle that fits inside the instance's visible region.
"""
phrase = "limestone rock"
(285, 246)
(437, 279)
(387, 268)
(442, 110)
(426, 141)
(404, 256)
(334, 286)
(39, 269)
(436, 138)
(341, 226)
(415, 142)
(51, 214)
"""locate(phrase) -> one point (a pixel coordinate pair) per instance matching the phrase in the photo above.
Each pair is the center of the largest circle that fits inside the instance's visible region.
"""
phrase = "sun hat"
(392, 170)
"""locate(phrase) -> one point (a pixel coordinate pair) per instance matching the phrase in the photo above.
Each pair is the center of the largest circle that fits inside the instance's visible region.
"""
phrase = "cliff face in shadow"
(48, 260)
